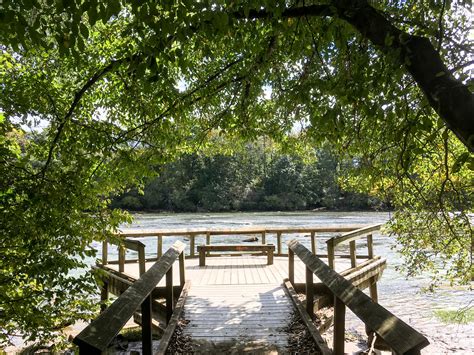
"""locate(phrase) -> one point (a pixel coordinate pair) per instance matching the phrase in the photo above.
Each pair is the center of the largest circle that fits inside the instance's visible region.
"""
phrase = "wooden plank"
(244, 312)
(397, 334)
(107, 325)
(168, 333)
(313, 242)
(318, 340)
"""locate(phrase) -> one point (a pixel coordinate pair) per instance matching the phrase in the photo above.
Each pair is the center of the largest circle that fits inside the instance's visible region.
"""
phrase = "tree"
(124, 85)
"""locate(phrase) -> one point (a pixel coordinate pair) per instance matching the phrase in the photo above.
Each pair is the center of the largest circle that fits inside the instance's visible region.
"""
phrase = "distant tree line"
(254, 179)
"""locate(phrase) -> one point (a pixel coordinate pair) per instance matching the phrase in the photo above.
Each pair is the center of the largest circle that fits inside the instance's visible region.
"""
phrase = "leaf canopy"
(121, 86)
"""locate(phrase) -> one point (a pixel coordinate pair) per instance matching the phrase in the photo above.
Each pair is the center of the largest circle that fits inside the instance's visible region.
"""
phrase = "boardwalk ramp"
(237, 318)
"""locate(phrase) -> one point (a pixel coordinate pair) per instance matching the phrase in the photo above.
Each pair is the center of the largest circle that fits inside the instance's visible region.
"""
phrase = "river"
(403, 297)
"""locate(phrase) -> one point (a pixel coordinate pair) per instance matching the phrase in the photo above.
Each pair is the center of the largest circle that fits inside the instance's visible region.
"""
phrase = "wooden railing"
(123, 245)
(351, 238)
(262, 232)
(97, 336)
(402, 338)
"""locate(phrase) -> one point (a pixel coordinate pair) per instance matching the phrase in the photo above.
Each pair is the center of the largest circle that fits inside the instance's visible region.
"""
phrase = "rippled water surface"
(401, 296)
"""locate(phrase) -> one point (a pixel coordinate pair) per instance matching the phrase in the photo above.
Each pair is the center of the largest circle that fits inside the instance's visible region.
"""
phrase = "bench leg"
(270, 257)
(202, 257)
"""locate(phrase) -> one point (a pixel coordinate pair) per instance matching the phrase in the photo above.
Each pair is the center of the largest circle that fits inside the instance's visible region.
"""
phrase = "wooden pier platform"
(237, 303)
(243, 303)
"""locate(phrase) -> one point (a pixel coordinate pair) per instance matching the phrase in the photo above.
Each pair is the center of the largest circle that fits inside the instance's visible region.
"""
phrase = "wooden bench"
(269, 249)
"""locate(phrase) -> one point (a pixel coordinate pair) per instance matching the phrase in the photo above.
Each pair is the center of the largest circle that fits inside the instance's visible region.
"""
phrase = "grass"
(135, 334)
(459, 316)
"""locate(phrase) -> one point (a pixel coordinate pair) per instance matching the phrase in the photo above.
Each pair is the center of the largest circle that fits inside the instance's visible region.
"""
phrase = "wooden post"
(339, 326)
(370, 246)
(104, 295)
(192, 241)
(202, 257)
(370, 253)
(309, 293)
(279, 243)
(182, 270)
(141, 260)
(352, 248)
(104, 252)
(270, 256)
(159, 246)
(147, 340)
(373, 291)
(264, 239)
(169, 294)
(291, 266)
(313, 242)
(121, 256)
(208, 241)
(330, 244)
(374, 297)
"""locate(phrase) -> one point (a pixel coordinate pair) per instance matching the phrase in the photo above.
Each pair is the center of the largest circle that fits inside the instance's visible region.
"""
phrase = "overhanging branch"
(448, 96)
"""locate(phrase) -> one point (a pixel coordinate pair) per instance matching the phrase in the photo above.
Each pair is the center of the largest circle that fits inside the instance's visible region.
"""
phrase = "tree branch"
(449, 97)
(77, 98)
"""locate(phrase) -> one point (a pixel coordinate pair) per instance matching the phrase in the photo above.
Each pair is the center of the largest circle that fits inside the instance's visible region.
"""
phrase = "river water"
(403, 297)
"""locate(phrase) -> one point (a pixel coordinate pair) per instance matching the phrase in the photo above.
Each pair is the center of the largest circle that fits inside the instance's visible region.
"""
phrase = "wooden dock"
(243, 303)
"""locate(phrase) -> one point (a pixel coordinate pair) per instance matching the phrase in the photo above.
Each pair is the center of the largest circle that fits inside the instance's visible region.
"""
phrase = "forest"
(256, 177)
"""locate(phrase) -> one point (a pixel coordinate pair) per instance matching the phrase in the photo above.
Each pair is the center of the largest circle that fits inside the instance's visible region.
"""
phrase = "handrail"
(192, 233)
(402, 338)
(351, 237)
(124, 244)
(242, 230)
(96, 337)
(355, 234)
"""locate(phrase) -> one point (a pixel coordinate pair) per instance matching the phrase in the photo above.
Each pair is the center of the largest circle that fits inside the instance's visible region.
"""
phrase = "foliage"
(459, 316)
(122, 86)
(251, 178)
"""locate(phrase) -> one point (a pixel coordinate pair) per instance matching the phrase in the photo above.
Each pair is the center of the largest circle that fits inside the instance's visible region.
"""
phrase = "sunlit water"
(403, 297)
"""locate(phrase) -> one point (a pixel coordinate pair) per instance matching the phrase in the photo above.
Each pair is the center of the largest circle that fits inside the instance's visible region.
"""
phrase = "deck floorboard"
(237, 299)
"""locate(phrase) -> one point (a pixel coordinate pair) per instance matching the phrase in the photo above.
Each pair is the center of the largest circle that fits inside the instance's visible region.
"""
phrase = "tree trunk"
(449, 97)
